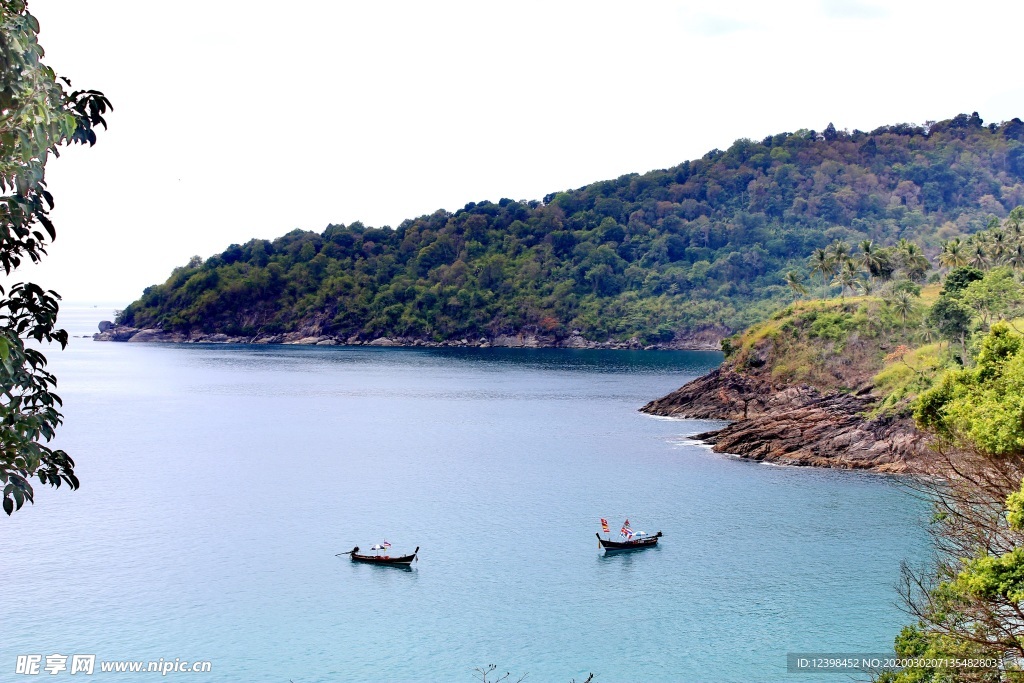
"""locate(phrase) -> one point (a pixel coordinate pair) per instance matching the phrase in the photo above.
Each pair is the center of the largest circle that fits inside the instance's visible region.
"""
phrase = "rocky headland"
(794, 425)
(795, 396)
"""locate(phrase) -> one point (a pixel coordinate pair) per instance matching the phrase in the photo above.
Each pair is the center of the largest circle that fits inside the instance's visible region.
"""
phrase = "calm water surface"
(220, 481)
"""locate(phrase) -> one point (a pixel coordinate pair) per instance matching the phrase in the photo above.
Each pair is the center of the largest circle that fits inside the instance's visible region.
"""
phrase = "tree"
(839, 252)
(952, 319)
(869, 259)
(997, 245)
(1016, 258)
(903, 305)
(847, 277)
(972, 605)
(820, 262)
(1015, 221)
(37, 116)
(915, 264)
(795, 281)
(978, 257)
(969, 608)
(995, 295)
(953, 254)
(959, 278)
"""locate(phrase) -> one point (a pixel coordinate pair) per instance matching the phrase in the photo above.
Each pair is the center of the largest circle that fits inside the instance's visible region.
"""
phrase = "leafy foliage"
(926, 649)
(984, 404)
(951, 318)
(710, 241)
(971, 608)
(37, 116)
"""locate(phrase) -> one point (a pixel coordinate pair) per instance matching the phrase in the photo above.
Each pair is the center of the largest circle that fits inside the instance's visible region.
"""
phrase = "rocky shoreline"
(795, 425)
(708, 339)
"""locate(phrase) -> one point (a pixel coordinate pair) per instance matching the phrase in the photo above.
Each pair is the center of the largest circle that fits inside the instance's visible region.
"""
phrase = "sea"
(220, 482)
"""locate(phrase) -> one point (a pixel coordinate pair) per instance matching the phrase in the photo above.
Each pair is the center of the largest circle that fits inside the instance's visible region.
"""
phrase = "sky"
(236, 120)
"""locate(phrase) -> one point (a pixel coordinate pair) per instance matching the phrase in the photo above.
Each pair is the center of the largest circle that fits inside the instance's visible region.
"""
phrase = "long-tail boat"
(632, 544)
(382, 559)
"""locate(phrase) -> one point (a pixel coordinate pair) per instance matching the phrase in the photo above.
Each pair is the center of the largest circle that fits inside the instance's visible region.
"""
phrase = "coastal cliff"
(797, 393)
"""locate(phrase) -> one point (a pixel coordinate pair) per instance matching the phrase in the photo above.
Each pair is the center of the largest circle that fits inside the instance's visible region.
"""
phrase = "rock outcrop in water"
(808, 386)
(794, 425)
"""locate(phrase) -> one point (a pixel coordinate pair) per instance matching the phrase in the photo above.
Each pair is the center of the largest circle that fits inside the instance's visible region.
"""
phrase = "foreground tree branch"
(38, 115)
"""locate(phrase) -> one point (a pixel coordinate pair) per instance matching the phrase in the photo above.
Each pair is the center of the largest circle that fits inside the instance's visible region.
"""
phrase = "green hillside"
(708, 242)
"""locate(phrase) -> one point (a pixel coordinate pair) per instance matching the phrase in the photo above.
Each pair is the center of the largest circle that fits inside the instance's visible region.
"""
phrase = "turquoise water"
(219, 482)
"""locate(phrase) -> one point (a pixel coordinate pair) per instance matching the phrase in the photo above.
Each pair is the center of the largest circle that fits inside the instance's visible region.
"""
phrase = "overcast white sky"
(236, 120)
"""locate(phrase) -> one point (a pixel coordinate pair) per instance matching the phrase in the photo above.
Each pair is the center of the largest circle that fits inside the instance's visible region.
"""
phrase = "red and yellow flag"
(604, 525)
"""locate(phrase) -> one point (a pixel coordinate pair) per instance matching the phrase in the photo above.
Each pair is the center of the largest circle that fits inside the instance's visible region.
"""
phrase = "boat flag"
(604, 526)
(386, 544)
(625, 530)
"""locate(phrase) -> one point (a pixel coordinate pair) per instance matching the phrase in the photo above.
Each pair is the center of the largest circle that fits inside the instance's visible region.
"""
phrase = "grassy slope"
(856, 344)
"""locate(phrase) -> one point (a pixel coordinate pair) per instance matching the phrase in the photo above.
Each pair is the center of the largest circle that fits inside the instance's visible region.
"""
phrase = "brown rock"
(794, 425)
(722, 394)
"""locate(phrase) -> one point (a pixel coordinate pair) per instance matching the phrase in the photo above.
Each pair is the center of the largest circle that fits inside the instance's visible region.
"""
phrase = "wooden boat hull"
(387, 560)
(629, 545)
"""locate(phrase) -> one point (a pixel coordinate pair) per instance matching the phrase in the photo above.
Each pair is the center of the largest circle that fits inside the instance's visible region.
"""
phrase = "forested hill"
(652, 256)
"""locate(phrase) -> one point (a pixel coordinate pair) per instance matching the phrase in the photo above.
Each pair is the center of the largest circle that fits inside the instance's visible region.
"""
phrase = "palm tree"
(915, 263)
(1016, 258)
(902, 304)
(978, 259)
(1015, 221)
(795, 281)
(927, 334)
(820, 262)
(839, 251)
(953, 253)
(869, 258)
(1014, 234)
(997, 245)
(846, 277)
(1015, 229)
